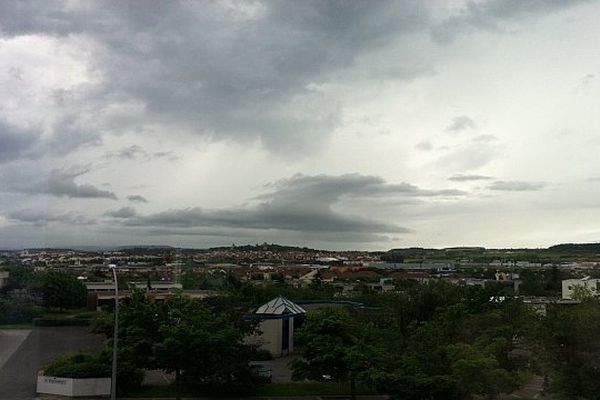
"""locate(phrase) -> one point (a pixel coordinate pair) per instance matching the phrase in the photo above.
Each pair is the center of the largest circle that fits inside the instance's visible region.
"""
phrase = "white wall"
(568, 286)
(271, 337)
(73, 387)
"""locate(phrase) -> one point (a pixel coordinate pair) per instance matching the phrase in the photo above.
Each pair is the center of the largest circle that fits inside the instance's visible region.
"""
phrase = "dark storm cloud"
(460, 124)
(42, 218)
(61, 183)
(516, 186)
(264, 217)
(468, 178)
(489, 15)
(242, 70)
(300, 204)
(331, 188)
(137, 198)
(125, 212)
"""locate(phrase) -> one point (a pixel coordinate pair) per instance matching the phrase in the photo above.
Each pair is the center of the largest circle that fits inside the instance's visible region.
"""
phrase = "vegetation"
(200, 342)
(28, 295)
(59, 290)
(424, 341)
(18, 309)
(437, 341)
(80, 365)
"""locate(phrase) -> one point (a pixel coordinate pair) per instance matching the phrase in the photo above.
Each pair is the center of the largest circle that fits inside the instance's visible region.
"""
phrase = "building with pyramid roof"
(280, 306)
(279, 318)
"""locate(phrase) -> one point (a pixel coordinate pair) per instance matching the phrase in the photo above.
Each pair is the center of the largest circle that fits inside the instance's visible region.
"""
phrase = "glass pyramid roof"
(280, 306)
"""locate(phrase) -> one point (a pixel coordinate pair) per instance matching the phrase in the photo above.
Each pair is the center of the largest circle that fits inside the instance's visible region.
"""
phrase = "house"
(279, 318)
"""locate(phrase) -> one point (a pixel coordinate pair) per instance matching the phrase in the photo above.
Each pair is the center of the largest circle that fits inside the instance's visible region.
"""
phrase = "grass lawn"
(270, 390)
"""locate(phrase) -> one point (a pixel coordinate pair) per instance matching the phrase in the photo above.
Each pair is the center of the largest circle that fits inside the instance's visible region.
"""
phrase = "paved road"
(280, 369)
(10, 340)
(18, 375)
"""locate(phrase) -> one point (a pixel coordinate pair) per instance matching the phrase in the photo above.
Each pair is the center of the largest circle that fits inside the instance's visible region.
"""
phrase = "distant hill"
(576, 248)
(264, 247)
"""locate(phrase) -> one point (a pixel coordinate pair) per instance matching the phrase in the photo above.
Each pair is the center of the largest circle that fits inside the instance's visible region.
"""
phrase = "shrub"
(18, 310)
(80, 366)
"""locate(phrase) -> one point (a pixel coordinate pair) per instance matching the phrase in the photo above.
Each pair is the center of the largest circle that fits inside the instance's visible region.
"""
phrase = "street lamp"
(113, 381)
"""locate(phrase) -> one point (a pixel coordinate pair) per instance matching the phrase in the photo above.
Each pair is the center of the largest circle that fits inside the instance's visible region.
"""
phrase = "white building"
(279, 318)
(570, 285)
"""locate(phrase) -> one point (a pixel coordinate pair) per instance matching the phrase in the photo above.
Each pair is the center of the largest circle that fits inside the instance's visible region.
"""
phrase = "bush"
(103, 323)
(86, 365)
(80, 366)
(18, 310)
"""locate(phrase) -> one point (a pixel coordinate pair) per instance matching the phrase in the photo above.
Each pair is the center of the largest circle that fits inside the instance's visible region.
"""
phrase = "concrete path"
(531, 390)
(18, 375)
(10, 340)
(280, 370)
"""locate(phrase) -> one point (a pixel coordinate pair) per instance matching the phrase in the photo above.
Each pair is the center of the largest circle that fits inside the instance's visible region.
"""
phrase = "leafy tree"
(332, 345)
(582, 292)
(477, 373)
(572, 349)
(186, 337)
(18, 278)
(59, 290)
(18, 309)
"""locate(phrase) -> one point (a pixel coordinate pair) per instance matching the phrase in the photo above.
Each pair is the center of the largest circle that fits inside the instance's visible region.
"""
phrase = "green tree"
(186, 337)
(572, 350)
(332, 345)
(582, 293)
(59, 290)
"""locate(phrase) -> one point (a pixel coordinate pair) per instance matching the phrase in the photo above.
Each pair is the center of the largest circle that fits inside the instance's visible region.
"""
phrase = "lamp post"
(113, 381)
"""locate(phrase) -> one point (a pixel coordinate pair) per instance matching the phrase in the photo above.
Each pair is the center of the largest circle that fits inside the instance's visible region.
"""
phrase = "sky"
(331, 124)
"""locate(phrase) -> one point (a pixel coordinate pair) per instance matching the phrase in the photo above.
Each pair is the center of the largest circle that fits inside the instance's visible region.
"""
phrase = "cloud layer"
(350, 123)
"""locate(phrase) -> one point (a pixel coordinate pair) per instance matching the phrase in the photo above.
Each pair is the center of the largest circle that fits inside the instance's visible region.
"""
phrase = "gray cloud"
(331, 188)
(137, 198)
(168, 155)
(61, 183)
(135, 152)
(516, 186)
(297, 204)
(471, 154)
(489, 15)
(15, 142)
(42, 218)
(424, 145)
(460, 124)
(467, 178)
(125, 212)
(128, 153)
(223, 70)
